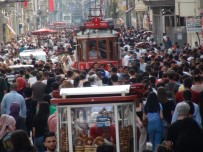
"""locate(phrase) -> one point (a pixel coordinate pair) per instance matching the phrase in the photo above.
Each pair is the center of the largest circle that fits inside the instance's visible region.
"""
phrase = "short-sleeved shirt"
(39, 89)
(52, 109)
(167, 108)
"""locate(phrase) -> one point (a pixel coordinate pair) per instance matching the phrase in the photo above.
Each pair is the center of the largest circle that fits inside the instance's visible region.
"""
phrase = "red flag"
(25, 4)
(51, 5)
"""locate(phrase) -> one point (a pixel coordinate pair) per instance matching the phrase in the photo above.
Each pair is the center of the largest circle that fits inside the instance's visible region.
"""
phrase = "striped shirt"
(10, 78)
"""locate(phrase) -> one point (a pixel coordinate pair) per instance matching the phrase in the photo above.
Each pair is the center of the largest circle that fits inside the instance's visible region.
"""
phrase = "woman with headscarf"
(7, 125)
(20, 121)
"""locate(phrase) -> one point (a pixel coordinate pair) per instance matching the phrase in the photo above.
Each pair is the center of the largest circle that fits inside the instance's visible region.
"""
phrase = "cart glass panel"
(125, 125)
(95, 124)
(63, 129)
(92, 126)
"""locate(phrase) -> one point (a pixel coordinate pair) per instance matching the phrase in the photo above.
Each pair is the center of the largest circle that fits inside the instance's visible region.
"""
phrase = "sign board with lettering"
(103, 121)
(193, 24)
(96, 23)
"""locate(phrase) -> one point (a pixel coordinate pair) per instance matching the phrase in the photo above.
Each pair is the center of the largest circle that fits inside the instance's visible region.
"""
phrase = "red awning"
(44, 31)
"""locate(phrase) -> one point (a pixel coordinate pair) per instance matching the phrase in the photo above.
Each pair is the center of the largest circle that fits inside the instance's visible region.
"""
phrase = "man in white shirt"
(142, 64)
(32, 79)
(126, 59)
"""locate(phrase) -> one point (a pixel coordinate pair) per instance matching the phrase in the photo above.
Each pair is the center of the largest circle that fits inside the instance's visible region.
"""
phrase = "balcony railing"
(159, 3)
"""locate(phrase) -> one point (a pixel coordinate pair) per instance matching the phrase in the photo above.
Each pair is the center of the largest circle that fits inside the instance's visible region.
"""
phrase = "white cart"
(89, 117)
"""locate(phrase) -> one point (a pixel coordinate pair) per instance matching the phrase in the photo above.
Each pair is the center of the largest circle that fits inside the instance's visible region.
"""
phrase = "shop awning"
(159, 3)
(11, 29)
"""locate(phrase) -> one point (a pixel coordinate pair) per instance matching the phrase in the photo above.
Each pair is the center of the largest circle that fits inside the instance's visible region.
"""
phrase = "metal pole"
(161, 26)
(127, 15)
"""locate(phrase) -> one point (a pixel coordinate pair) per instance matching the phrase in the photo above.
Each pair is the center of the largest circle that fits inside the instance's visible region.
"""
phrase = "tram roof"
(96, 33)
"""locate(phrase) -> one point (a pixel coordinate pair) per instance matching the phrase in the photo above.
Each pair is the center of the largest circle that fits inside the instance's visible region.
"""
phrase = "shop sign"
(193, 24)
(96, 23)
(103, 121)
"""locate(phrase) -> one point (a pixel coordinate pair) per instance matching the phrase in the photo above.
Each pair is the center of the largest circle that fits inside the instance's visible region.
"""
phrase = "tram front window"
(93, 53)
(97, 49)
(93, 49)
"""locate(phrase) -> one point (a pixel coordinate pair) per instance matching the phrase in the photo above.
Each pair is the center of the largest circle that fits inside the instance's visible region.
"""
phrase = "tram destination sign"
(96, 23)
(193, 24)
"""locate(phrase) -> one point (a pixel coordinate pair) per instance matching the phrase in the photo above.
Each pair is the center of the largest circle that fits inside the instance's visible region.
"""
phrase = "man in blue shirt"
(93, 53)
(11, 97)
(194, 110)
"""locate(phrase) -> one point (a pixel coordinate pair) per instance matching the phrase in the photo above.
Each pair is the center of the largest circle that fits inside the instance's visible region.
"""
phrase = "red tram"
(97, 42)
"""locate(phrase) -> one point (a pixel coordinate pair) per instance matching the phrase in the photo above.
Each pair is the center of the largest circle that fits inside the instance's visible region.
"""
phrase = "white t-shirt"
(44, 81)
(143, 66)
(126, 60)
(32, 80)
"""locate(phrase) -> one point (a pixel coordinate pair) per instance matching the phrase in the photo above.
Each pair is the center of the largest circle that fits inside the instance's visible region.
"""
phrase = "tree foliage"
(114, 10)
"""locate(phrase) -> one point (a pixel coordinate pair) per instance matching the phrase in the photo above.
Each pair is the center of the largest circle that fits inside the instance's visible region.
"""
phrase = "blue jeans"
(39, 144)
(155, 130)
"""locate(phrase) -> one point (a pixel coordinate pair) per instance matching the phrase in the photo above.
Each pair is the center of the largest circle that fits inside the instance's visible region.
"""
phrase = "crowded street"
(89, 76)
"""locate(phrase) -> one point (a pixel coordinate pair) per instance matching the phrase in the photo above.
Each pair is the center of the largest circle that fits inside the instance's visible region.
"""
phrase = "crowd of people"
(172, 109)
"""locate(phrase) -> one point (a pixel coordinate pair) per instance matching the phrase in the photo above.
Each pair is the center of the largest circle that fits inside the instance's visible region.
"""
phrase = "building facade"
(142, 14)
(163, 17)
(172, 17)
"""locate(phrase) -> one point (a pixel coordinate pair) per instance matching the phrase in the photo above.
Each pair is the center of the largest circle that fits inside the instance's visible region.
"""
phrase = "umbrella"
(44, 31)
(148, 32)
(143, 45)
